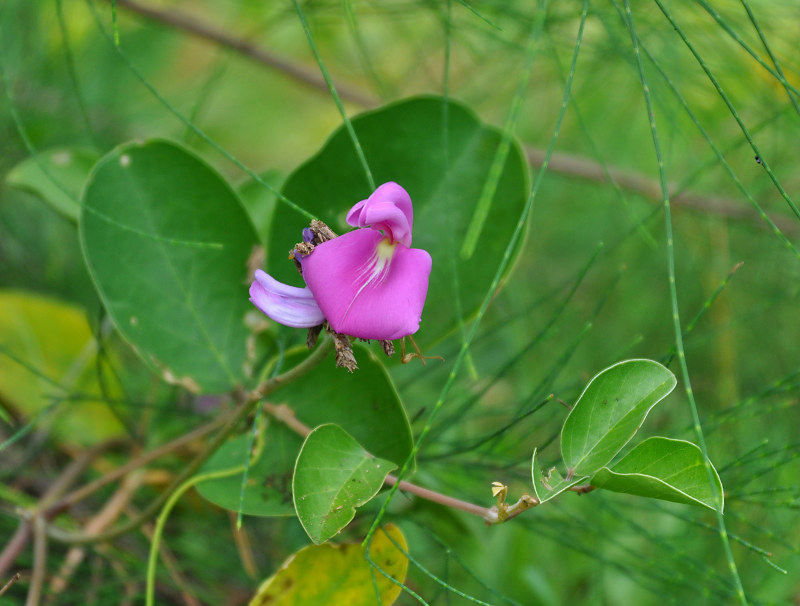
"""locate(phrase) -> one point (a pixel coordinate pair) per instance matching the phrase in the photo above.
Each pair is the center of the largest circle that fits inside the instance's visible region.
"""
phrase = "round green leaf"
(57, 176)
(167, 242)
(443, 166)
(666, 469)
(322, 575)
(333, 476)
(610, 410)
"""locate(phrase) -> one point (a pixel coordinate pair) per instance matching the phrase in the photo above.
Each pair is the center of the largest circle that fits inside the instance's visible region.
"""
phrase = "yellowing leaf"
(338, 574)
(47, 351)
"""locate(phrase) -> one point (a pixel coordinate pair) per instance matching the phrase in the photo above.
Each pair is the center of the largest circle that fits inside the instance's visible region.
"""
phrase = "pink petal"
(388, 208)
(285, 304)
(368, 287)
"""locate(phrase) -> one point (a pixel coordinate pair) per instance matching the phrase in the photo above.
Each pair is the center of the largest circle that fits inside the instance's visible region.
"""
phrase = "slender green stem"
(740, 594)
(731, 108)
(336, 99)
(484, 204)
(162, 520)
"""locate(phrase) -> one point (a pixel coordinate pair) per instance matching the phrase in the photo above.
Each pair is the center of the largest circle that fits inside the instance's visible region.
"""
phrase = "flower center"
(385, 250)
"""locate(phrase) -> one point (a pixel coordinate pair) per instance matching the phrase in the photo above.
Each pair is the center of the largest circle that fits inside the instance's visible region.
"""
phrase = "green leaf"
(405, 142)
(57, 176)
(610, 410)
(259, 202)
(167, 243)
(47, 354)
(549, 485)
(666, 469)
(269, 479)
(321, 575)
(333, 476)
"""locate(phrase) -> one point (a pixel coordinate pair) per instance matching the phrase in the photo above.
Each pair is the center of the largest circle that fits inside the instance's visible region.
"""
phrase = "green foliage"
(365, 405)
(167, 242)
(333, 476)
(662, 99)
(610, 410)
(267, 488)
(442, 164)
(661, 468)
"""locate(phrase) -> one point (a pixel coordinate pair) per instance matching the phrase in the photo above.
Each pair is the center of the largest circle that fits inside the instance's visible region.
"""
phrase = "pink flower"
(368, 283)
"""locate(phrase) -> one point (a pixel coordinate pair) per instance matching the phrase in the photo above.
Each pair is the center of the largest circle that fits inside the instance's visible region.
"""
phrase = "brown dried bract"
(388, 348)
(322, 233)
(344, 351)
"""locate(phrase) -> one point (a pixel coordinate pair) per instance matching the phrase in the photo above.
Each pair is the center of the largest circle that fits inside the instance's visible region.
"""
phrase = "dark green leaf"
(365, 403)
(609, 412)
(333, 476)
(666, 469)
(269, 479)
(167, 243)
(405, 142)
(259, 202)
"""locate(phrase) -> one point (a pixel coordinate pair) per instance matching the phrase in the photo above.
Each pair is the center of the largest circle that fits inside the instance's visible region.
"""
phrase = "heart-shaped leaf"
(322, 575)
(167, 242)
(333, 476)
(443, 166)
(666, 469)
(609, 412)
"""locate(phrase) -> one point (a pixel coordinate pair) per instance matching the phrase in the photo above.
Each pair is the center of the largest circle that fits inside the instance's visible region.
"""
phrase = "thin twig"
(57, 488)
(201, 29)
(39, 561)
(110, 512)
(143, 459)
(247, 404)
(11, 581)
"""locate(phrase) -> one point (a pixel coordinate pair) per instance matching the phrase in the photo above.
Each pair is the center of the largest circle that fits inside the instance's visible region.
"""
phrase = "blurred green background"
(570, 307)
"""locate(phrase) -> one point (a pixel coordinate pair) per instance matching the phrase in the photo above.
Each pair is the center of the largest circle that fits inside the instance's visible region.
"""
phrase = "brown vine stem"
(247, 405)
(201, 29)
(285, 415)
(60, 485)
(143, 459)
(560, 162)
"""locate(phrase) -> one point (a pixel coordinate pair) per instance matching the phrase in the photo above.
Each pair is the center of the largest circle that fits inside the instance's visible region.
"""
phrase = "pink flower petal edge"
(389, 209)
